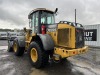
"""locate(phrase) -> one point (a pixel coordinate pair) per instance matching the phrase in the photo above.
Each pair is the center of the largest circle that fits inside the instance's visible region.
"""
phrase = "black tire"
(10, 49)
(42, 58)
(19, 50)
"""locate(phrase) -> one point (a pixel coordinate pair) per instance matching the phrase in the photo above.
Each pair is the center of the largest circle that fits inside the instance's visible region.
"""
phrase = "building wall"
(93, 43)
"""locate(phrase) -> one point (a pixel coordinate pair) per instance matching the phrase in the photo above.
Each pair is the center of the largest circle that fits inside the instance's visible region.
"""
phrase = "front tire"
(37, 56)
(19, 51)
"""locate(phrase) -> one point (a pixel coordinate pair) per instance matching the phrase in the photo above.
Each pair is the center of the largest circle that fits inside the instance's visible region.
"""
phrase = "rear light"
(73, 52)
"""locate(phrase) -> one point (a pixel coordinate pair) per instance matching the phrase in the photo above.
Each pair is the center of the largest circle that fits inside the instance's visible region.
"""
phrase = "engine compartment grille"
(63, 37)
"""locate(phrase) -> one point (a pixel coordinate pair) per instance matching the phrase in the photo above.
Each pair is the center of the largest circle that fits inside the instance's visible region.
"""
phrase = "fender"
(21, 40)
(47, 41)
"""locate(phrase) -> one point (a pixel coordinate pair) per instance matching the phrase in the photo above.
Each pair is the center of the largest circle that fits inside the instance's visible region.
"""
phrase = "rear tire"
(19, 51)
(42, 56)
(10, 49)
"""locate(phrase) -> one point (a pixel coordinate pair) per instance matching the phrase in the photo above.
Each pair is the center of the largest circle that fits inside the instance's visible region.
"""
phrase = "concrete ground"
(84, 64)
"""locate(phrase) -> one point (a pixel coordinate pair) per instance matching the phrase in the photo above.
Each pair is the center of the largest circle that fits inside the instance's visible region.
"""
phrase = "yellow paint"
(28, 38)
(54, 35)
(34, 55)
(64, 52)
(61, 47)
(71, 36)
(71, 33)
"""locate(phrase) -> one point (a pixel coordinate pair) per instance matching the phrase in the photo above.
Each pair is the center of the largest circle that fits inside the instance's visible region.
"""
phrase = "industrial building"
(91, 35)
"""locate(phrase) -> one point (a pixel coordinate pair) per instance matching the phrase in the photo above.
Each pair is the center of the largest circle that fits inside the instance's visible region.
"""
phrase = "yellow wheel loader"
(49, 40)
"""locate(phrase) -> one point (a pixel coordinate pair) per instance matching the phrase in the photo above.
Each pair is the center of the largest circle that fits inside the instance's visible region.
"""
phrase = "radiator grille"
(63, 37)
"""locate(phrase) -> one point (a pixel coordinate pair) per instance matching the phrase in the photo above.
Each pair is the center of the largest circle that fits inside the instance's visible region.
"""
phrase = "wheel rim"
(34, 55)
(15, 47)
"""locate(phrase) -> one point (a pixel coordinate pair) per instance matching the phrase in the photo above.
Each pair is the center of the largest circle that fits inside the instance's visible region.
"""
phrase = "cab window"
(47, 18)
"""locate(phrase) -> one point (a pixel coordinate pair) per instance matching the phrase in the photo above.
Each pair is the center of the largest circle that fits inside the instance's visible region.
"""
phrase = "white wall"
(94, 43)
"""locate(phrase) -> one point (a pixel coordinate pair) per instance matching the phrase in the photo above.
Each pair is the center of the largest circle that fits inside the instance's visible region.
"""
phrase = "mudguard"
(21, 40)
(47, 41)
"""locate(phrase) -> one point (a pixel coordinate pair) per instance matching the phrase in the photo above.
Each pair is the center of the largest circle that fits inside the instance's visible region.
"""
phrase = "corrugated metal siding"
(93, 43)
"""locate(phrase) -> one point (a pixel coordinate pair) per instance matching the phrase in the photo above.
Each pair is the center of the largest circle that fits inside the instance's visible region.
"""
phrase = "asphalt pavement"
(84, 64)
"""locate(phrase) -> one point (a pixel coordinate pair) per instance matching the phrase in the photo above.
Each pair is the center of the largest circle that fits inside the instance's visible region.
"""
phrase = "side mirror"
(56, 10)
(24, 29)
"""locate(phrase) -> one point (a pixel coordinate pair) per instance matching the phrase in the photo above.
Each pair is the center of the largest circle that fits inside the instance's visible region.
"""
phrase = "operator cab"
(39, 17)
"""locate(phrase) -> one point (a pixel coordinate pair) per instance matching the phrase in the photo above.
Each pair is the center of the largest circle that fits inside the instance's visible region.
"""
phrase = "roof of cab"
(39, 9)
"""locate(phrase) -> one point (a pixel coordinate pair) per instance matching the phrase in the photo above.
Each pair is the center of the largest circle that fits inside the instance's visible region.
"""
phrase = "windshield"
(47, 18)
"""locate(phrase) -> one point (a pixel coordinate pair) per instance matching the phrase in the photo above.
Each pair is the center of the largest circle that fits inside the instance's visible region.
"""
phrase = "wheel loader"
(46, 39)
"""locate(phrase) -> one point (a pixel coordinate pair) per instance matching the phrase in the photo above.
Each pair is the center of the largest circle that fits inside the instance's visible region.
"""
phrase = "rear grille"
(79, 38)
(63, 37)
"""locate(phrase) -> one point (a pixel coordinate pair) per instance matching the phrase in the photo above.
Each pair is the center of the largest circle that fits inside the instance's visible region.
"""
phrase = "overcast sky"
(14, 13)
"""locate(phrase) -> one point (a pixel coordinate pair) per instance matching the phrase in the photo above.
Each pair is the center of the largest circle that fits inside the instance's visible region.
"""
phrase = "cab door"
(35, 22)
